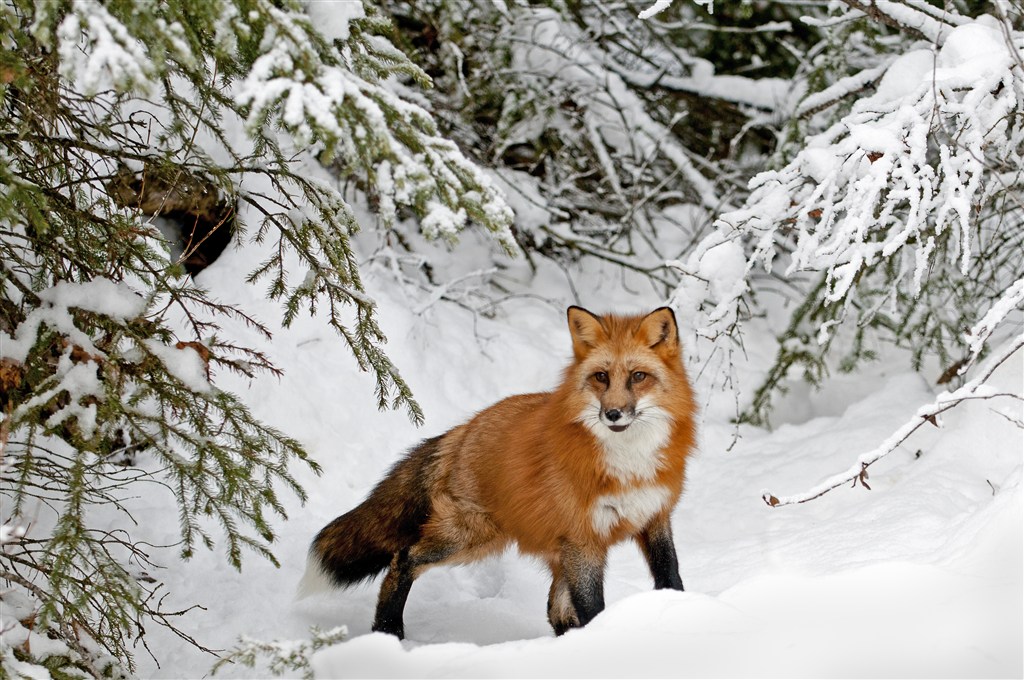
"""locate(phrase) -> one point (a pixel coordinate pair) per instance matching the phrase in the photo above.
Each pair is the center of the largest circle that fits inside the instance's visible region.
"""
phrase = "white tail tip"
(315, 580)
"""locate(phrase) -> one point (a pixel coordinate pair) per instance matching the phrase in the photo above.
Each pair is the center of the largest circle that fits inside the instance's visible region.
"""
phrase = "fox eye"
(639, 376)
(601, 377)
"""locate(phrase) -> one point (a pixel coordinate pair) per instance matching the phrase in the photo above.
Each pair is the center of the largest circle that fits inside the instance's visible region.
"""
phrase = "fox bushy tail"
(361, 543)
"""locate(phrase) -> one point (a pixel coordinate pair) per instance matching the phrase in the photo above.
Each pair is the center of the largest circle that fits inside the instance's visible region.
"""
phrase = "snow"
(548, 46)
(841, 88)
(921, 575)
(331, 17)
(658, 7)
(17, 609)
(724, 268)
(1012, 298)
(881, 183)
(102, 296)
(184, 363)
(79, 380)
(980, 387)
(9, 532)
(933, 30)
(827, 626)
(975, 50)
(113, 60)
(441, 221)
(763, 93)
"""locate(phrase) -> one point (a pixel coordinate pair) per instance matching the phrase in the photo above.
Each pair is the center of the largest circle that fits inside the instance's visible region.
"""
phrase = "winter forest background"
(253, 250)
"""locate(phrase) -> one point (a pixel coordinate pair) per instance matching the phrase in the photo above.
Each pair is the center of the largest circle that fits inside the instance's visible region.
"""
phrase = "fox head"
(627, 369)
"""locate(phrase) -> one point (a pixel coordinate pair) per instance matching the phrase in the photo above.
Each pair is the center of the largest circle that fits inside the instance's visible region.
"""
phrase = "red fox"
(564, 475)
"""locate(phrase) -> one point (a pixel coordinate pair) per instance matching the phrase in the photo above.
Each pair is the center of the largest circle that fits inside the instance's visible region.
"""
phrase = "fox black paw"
(398, 630)
(561, 628)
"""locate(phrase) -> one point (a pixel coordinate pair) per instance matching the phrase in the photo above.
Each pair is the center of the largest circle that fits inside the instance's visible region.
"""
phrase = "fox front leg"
(583, 572)
(660, 552)
(561, 611)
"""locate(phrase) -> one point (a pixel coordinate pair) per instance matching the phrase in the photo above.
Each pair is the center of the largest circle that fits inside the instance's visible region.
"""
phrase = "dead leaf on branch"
(11, 374)
(78, 354)
(202, 350)
(951, 372)
(863, 478)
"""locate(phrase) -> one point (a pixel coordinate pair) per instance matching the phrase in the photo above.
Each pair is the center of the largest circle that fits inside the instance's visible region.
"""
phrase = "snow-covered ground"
(921, 575)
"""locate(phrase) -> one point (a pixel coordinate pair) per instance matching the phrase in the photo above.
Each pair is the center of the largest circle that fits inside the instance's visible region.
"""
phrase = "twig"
(857, 473)
(441, 291)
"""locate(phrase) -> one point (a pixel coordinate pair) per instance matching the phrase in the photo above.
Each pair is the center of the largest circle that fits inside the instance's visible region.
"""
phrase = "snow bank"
(882, 620)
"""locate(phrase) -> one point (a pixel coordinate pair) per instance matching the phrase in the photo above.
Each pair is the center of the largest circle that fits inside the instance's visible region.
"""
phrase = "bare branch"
(928, 414)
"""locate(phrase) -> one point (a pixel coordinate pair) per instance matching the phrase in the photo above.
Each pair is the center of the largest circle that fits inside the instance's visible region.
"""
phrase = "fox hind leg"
(406, 565)
(394, 591)
(451, 533)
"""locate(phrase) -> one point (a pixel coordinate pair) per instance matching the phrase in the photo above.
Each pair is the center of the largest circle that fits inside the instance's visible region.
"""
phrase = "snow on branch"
(1012, 298)
(348, 110)
(761, 93)
(281, 656)
(923, 24)
(842, 88)
(900, 179)
(554, 48)
(660, 6)
(98, 53)
(858, 472)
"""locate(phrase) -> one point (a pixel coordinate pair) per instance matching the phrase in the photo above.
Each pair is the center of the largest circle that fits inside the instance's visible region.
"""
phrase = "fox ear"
(586, 330)
(659, 330)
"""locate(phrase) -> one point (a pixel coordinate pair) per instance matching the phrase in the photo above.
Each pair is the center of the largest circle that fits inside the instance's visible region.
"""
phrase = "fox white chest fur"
(637, 506)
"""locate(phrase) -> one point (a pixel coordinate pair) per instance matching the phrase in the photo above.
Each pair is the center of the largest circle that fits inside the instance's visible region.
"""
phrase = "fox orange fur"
(564, 475)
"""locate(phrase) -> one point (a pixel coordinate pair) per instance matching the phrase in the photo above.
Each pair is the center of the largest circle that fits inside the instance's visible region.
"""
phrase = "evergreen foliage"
(282, 656)
(99, 104)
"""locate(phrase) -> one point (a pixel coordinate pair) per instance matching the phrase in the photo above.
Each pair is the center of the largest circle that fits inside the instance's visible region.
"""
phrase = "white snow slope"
(920, 576)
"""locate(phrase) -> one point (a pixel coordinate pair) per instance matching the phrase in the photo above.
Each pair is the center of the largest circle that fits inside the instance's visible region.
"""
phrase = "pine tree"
(213, 110)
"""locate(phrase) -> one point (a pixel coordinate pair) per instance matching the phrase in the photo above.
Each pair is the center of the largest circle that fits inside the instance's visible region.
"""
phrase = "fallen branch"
(858, 472)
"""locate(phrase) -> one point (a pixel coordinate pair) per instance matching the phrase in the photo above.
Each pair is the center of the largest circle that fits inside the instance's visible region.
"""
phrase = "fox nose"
(613, 414)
